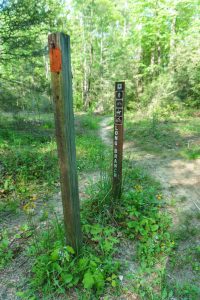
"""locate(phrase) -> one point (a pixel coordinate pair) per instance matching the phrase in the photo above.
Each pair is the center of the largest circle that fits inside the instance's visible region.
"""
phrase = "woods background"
(152, 45)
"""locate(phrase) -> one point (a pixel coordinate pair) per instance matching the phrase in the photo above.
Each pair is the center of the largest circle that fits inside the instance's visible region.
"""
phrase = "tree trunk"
(172, 46)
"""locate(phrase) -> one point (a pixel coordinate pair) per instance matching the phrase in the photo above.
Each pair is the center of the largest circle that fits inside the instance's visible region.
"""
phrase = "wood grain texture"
(65, 136)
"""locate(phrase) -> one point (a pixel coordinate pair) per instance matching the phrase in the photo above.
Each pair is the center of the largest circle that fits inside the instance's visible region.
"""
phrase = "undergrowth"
(28, 156)
(106, 222)
(160, 134)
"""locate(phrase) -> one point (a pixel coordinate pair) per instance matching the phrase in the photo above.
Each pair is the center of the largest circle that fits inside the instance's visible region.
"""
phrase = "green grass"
(28, 155)
(184, 264)
(191, 153)
(157, 135)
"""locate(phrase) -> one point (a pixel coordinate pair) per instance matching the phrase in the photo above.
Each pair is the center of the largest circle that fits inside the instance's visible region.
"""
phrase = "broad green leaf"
(70, 249)
(99, 280)
(114, 283)
(88, 280)
(66, 277)
(55, 255)
(154, 228)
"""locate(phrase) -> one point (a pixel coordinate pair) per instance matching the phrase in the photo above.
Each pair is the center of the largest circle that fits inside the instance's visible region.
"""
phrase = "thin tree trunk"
(172, 46)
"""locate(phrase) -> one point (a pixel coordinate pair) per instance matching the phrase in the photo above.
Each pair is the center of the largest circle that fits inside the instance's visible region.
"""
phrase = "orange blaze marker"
(55, 60)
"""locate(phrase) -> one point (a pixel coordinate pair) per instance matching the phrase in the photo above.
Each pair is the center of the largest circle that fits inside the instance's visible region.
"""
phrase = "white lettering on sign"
(115, 163)
(119, 86)
(118, 134)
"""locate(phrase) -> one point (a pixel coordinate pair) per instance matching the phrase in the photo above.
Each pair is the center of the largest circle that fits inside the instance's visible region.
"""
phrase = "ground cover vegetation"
(165, 134)
(139, 218)
(132, 248)
(29, 158)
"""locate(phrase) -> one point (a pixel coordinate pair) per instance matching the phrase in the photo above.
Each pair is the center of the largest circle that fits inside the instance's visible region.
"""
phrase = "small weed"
(192, 153)
(6, 253)
(185, 291)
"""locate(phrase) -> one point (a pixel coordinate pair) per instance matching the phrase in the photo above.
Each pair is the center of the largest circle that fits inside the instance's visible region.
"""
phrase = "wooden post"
(61, 80)
(118, 138)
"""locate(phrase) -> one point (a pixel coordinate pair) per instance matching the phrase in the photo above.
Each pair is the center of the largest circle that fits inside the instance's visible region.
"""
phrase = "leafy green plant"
(142, 219)
(56, 268)
(6, 253)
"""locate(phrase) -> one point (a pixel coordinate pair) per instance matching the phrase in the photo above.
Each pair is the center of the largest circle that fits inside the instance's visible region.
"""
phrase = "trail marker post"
(118, 138)
(61, 80)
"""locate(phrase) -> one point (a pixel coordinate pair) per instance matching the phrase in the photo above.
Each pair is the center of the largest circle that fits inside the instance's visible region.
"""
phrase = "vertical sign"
(118, 138)
(61, 81)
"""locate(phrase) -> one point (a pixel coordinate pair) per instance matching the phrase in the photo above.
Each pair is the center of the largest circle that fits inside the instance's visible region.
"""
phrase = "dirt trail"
(180, 179)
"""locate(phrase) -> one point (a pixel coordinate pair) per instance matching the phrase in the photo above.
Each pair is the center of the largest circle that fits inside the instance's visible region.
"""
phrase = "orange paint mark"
(55, 60)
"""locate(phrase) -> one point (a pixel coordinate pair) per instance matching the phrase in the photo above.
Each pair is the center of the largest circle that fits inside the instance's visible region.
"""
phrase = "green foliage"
(89, 122)
(160, 65)
(6, 253)
(178, 133)
(21, 31)
(192, 153)
(56, 268)
(184, 259)
(28, 162)
(141, 218)
(138, 216)
(90, 152)
(24, 28)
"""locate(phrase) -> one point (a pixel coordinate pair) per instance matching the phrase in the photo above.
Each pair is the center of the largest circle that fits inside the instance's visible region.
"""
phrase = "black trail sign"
(118, 138)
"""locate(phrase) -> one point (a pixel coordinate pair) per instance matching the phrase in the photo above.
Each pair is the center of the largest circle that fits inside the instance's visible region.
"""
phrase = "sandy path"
(180, 179)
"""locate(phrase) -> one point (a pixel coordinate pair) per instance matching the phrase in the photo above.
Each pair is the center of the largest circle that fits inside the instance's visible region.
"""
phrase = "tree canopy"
(152, 45)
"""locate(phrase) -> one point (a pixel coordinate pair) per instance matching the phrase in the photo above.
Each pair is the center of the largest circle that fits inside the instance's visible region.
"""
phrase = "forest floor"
(179, 177)
(14, 218)
(180, 181)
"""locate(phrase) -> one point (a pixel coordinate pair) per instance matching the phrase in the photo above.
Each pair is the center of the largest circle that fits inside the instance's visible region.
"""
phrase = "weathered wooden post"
(61, 80)
(118, 138)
